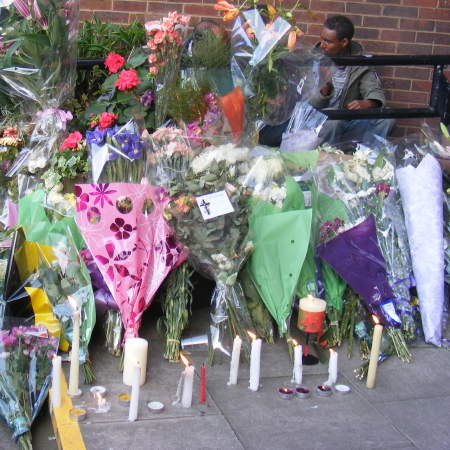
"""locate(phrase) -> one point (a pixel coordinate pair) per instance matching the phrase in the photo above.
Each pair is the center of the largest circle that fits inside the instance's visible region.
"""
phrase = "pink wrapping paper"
(133, 245)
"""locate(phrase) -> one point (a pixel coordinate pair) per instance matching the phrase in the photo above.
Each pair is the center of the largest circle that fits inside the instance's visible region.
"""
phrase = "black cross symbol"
(205, 205)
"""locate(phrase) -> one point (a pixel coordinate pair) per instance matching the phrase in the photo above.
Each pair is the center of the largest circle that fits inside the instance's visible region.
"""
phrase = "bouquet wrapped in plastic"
(39, 69)
(25, 372)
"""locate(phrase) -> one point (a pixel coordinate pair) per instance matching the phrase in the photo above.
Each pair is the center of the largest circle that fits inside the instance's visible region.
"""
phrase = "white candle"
(374, 353)
(75, 354)
(135, 351)
(135, 384)
(235, 355)
(312, 304)
(297, 373)
(255, 362)
(332, 368)
(188, 384)
(56, 381)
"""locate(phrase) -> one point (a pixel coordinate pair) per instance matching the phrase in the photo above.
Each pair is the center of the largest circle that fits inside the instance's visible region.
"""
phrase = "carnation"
(72, 140)
(128, 79)
(107, 120)
(114, 62)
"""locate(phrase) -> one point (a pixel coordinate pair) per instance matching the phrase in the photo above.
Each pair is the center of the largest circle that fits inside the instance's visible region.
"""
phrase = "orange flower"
(292, 40)
(231, 15)
(223, 5)
(272, 12)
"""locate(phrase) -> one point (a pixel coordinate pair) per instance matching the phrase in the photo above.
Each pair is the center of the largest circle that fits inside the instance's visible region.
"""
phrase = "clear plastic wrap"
(26, 354)
(39, 67)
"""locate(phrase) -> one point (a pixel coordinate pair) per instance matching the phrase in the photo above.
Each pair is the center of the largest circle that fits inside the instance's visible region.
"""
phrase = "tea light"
(342, 389)
(124, 399)
(323, 390)
(77, 414)
(302, 392)
(98, 391)
(155, 407)
(285, 393)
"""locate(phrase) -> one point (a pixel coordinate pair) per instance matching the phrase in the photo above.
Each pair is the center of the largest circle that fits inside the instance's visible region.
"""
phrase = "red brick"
(444, 4)
(130, 6)
(434, 38)
(356, 19)
(417, 24)
(109, 16)
(414, 73)
(392, 83)
(442, 27)
(422, 3)
(400, 11)
(440, 50)
(434, 13)
(406, 96)
(381, 22)
(86, 15)
(424, 86)
(363, 8)
(398, 132)
(315, 29)
(319, 5)
(398, 36)
(198, 10)
(415, 49)
(386, 2)
(163, 8)
(305, 16)
(367, 33)
(95, 5)
(377, 47)
(385, 71)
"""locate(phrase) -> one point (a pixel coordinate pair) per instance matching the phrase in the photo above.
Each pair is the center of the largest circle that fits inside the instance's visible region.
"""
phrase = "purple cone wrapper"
(356, 257)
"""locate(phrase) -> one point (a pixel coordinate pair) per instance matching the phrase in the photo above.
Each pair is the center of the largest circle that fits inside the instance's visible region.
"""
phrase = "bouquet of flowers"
(165, 42)
(39, 67)
(25, 367)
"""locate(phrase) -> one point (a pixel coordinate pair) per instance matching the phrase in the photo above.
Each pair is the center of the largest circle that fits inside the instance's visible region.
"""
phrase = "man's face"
(330, 44)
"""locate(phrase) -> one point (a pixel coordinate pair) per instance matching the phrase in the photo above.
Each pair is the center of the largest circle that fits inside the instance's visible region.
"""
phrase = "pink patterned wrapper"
(134, 247)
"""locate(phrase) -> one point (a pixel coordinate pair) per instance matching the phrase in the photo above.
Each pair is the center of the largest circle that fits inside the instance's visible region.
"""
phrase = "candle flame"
(252, 335)
(375, 319)
(332, 351)
(185, 360)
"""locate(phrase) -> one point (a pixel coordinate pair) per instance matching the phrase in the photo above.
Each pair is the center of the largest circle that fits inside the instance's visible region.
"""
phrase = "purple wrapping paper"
(356, 257)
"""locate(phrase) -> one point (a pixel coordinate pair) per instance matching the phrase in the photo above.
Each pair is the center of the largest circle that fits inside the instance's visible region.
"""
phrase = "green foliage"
(211, 52)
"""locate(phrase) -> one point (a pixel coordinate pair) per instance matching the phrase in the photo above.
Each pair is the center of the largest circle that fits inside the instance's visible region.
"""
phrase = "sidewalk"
(408, 408)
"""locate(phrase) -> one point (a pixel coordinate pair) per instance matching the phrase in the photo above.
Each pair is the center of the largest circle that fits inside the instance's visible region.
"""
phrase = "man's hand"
(326, 89)
(362, 104)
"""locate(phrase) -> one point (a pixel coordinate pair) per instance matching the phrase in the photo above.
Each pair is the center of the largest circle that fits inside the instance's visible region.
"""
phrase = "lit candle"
(297, 374)
(188, 383)
(374, 353)
(75, 352)
(255, 362)
(134, 402)
(203, 384)
(235, 355)
(136, 350)
(332, 368)
(56, 381)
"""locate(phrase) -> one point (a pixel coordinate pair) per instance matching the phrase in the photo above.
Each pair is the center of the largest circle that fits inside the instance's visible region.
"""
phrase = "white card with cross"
(214, 205)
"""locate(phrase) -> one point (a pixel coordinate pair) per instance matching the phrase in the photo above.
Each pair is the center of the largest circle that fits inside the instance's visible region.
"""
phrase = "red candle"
(203, 384)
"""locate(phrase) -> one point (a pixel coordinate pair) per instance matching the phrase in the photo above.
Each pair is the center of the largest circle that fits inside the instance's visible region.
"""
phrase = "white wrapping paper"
(422, 199)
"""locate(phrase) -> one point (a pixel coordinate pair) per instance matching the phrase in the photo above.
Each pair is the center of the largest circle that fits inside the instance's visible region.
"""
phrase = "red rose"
(72, 140)
(128, 79)
(106, 120)
(114, 62)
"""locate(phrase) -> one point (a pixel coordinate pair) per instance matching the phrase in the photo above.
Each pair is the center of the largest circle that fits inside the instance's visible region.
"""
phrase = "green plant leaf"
(108, 84)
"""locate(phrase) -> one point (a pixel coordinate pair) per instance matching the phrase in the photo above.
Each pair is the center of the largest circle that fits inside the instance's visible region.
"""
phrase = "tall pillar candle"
(75, 355)
(374, 353)
(297, 374)
(255, 362)
(332, 368)
(56, 381)
(235, 356)
(135, 351)
(135, 384)
(188, 383)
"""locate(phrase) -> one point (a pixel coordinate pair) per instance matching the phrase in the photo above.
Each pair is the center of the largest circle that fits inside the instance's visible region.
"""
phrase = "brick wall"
(382, 26)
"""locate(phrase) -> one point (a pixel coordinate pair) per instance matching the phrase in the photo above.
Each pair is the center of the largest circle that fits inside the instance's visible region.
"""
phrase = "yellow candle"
(374, 353)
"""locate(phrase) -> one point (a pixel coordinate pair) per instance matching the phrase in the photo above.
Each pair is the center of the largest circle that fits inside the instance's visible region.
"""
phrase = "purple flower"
(96, 136)
(101, 193)
(147, 98)
(130, 144)
(121, 229)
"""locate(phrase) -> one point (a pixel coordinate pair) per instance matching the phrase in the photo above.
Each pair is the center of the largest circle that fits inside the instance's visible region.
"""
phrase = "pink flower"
(383, 189)
(107, 120)
(152, 58)
(114, 62)
(121, 229)
(151, 45)
(128, 79)
(159, 37)
(82, 199)
(71, 141)
(153, 70)
(22, 8)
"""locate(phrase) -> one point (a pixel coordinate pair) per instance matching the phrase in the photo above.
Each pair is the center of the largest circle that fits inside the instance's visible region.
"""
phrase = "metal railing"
(439, 104)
